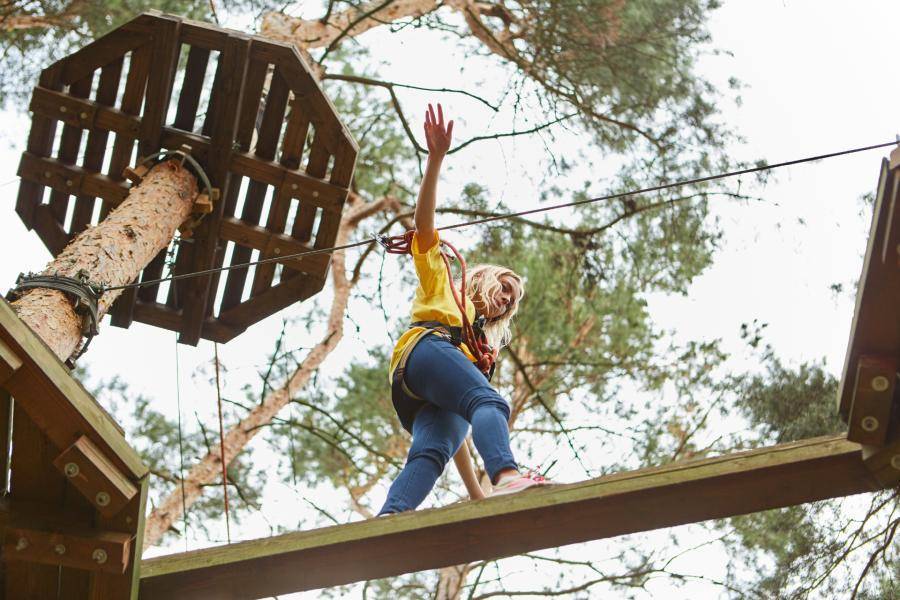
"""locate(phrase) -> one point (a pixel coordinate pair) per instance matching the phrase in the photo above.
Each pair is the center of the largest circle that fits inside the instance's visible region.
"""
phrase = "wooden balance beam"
(675, 494)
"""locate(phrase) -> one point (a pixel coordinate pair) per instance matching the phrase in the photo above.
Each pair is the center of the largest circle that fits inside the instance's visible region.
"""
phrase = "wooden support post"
(675, 494)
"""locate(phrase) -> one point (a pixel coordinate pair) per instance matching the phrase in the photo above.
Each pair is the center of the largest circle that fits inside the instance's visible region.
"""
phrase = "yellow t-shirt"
(433, 300)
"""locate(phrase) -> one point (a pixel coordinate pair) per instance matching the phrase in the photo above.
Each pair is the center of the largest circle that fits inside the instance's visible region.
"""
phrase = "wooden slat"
(96, 144)
(189, 98)
(266, 144)
(40, 143)
(131, 519)
(317, 166)
(69, 144)
(222, 123)
(876, 320)
(642, 500)
(272, 300)
(122, 311)
(159, 83)
(95, 476)
(70, 178)
(69, 548)
(159, 315)
(58, 402)
(291, 153)
(97, 54)
(341, 175)
(258, 238)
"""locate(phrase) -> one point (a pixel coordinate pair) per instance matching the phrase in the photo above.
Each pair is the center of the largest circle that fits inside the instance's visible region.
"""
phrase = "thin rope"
(180, 444)
(654, 188)
(222, 445)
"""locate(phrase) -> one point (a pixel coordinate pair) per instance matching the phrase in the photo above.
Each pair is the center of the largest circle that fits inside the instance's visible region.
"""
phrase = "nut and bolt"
(276, 251)
(21, 544)
(895, 462)
(59, 549)
(71, 470)
(102, 499)
(869, 423)
(63, 109)
(99, 556)
(293, 186)
(315, 194)
(880, 383)
(83, 115)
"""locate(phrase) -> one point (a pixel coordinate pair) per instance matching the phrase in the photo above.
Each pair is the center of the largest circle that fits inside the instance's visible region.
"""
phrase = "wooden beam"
(675, 494)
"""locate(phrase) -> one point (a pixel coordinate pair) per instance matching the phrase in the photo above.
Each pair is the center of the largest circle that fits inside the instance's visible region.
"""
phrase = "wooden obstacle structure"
(277, 155)
(72, 511)
(866, 460)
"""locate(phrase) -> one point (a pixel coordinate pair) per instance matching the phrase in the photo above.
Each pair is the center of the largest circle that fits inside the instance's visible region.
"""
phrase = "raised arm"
(438, 137)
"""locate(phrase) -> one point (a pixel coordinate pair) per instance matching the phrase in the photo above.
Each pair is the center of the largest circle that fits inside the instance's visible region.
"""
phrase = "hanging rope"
(184, 514)
(222, 444)
(523, 213)
(483, 353)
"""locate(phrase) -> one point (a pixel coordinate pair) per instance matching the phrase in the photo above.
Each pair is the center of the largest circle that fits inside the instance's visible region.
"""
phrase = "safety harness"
(471, 334)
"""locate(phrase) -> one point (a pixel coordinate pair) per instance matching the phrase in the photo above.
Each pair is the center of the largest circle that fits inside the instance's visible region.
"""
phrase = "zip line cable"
(654, 188)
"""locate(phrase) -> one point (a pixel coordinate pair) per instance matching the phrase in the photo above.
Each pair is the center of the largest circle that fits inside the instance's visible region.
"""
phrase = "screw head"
(293, 186)
(21, 544)
(880, 383)
(59, 549)
(47, 174)
(69, 183)
(102, 499)
(895, 462)
(83, 115)
(277, 251)
(315, 194)
(869, 423)
(72, 470)
(63, 109)
(99, 556)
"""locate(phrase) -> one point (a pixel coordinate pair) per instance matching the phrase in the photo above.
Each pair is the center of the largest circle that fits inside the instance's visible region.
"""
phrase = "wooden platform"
(73, 519)
(625, 503)
(256, 120)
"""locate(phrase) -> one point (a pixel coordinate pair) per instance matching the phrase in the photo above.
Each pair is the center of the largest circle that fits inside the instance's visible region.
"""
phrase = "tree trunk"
(209, 468)
(112, 252)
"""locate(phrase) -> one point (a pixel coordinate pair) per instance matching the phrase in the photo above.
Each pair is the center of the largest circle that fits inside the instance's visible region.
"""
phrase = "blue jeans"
(456, 394)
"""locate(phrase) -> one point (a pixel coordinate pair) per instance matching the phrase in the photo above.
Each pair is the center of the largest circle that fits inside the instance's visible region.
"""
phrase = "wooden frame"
(75, 513)
(278, 154)
(675, 494)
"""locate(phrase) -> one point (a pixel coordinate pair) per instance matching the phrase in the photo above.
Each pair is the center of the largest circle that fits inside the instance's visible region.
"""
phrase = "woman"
(437, 389)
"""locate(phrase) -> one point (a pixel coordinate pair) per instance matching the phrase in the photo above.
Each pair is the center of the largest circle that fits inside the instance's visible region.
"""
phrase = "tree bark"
(113, 253)
(209, 468)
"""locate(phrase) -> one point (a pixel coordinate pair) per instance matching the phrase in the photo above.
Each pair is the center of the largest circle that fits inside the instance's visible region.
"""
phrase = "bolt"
(69, 183)
(129, 520)
(895, 462)
(99, 556)
(277, 250)
(869, 423)
(21, 544)
(315, 194)
(47, 174)
(880, 383)
(63, 109)
(59, 549)
(293, 186)
(83, 115)
(72, 470)
(102, 499)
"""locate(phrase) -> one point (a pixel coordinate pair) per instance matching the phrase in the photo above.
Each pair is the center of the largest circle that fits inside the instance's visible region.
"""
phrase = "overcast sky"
(819, 78)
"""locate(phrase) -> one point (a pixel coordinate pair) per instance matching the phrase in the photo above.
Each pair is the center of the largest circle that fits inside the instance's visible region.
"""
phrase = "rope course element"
(84, 294)
(654, 188)
(222, 444)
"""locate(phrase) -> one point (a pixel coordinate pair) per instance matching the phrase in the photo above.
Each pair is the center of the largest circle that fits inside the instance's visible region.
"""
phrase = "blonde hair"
(485, 279)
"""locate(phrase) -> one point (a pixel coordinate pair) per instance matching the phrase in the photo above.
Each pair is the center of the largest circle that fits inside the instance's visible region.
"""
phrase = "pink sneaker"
(516, 483)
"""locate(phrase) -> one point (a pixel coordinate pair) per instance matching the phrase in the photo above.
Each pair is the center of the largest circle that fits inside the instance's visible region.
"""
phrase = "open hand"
(437, 135)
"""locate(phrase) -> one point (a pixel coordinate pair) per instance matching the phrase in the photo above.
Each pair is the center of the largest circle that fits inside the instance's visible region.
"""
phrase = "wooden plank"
(272, 300)
(10, 363)
(266, 144)
(316, 167)
(49, 229)
(341, 175)
(95, 476)
(291, 153)
(40, 143)
(53, 398)
(92, 550)
(223, 124)
(122, 311)
(876, 320)
(643, 500)
(159, 315)
(189, 98)
(96, 144)
(159, 84)
(69, 144)
(97, 54)
(70, 178)
(258, 238)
